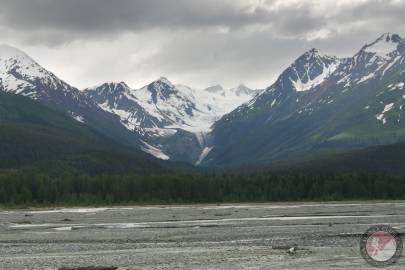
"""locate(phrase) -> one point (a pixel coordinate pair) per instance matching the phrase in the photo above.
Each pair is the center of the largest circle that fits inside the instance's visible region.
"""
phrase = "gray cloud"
(79, 17)
(193, 42)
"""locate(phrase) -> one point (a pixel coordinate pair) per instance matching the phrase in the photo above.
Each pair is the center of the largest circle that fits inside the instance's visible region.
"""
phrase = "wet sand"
(236, 236)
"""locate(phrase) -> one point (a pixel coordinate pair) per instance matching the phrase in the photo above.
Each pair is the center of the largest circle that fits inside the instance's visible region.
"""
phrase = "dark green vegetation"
(35, 137)
(375, 159)
(27, 188)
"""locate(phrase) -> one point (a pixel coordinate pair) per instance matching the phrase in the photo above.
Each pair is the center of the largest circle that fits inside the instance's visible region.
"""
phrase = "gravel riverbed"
(234, 236)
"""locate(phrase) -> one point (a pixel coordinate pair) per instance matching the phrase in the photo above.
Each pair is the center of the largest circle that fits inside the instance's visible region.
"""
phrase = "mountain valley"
(320, 104)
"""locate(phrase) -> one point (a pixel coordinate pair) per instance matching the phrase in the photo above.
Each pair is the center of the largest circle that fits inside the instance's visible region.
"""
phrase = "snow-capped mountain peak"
(122, 84)
(349, 102)
(109, 88)
(308, 71)
(160, 83)
(20, 74)
(163, 79)
(314, 52)
(159, 90)
(110, 91)
(14, 61)
(373, 60)
(385, 46)
(311, 70)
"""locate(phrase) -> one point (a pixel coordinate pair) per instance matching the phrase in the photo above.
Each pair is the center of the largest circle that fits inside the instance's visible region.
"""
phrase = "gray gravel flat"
(237, 236)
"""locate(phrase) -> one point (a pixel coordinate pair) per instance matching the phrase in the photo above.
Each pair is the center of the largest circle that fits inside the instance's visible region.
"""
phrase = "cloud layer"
(192, 42)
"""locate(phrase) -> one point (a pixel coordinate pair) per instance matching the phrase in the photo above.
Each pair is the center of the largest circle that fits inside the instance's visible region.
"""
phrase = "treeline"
(24, 187)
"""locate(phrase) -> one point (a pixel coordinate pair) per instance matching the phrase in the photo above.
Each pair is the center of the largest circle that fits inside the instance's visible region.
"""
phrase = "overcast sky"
(193, 42)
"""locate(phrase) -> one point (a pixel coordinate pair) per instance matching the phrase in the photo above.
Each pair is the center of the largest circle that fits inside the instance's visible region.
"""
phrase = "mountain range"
(319, 104)
(172, 120)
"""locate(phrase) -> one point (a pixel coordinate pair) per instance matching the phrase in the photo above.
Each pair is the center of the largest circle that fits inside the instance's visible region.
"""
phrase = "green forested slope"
(32, 135)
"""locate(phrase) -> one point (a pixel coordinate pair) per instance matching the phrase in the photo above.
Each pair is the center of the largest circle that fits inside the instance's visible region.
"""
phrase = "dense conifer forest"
(25, 187)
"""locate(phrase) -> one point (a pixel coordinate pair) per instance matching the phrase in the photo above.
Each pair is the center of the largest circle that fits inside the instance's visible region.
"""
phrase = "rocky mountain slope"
(173, 120)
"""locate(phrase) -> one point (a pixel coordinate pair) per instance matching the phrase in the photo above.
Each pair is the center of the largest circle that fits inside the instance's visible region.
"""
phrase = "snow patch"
(154, 151)
(396, 86)
(204, 153)
(346, 80)
(382, 47)
(301, 86)
(381, 116)
(79, 118)
(391, 64)
(365, 78)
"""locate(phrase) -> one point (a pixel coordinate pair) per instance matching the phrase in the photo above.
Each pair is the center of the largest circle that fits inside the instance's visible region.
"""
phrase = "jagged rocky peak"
(160, 84)
(313, 56)
(160, 89)
(113, 87)
(314, 52)
(390, 38)
(393, 37)
(120, 85)
(385, 45)
(309, 55)
(162, 81)
(307, 71)
(107, 90)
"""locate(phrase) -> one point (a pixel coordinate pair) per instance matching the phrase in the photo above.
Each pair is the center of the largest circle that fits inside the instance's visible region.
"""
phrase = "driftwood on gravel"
(89, 268)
